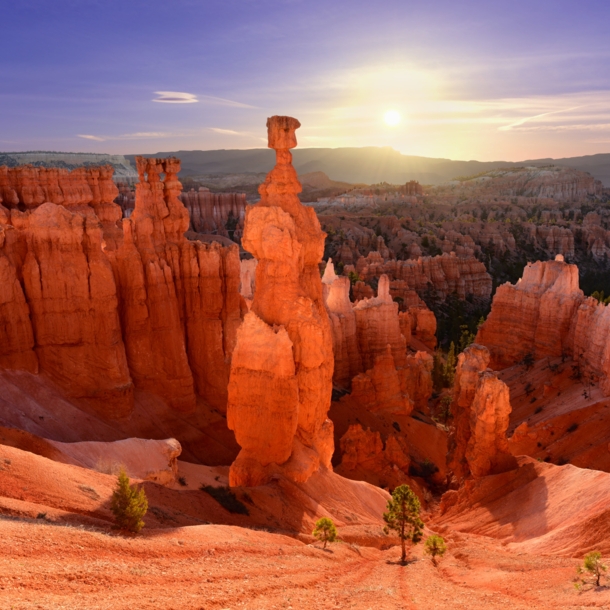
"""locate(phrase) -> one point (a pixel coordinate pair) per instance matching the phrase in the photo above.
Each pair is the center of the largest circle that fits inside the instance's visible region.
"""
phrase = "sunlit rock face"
(546, 314)
(481, 410)
(534, 315)
(101, 304)
(281, 375)
(370, 340)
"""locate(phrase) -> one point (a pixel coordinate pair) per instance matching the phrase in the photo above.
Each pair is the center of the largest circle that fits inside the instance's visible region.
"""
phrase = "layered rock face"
(364, 453)
(546, 314)
(551, 182)
(281, 375)
(370, 342)
(98, 305)
(218, 213)
(363, 332)
(181, 298)
(423, 325)
(31, 186)
(71, 292)
(348, 360)
(59, 306)
(380, 388)
(481, 410)
(445, 273)
(378, 325)
(533, 316)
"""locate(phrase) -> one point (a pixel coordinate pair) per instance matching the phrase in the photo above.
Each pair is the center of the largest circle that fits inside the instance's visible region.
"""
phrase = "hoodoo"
(481, 410)
(281, 373)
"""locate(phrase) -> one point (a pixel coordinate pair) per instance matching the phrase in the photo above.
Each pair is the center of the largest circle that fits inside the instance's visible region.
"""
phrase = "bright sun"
(392, 118)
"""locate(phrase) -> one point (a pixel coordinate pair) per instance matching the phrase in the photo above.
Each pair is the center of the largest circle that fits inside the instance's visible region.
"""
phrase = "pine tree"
(325, 530)
(128, 505)
(435, 547)
(402, 516)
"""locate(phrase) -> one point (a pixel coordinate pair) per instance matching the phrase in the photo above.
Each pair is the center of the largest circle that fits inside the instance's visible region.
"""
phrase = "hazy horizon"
(523, 80)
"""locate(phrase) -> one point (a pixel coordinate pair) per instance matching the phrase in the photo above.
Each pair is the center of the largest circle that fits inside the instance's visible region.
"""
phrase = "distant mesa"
(368, 164)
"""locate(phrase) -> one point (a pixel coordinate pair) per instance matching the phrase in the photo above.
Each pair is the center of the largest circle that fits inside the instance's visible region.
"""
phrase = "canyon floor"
(43, 565)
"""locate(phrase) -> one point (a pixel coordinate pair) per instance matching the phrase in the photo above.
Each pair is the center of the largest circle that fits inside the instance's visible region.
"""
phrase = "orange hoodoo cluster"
(99, 303)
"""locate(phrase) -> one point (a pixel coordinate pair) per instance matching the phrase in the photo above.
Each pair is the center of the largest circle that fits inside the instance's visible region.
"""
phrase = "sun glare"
(392, 118)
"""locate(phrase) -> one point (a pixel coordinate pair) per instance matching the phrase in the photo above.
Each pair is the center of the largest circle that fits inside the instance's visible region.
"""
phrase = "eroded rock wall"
(446, 274)
(218, 213)
(99, 304)
(546, 314)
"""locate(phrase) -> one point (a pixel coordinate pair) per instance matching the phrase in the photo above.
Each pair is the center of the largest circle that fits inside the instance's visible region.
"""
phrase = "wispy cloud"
(90, 137)
(524, 120)
(181, 97)
(229, 132)
(571, 127)
(221, 101)
(175, 97)
(147, 134)
(140, 135)
(242, 134)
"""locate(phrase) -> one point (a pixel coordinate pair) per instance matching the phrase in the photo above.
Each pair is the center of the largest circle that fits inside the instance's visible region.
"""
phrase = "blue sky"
(470, 79)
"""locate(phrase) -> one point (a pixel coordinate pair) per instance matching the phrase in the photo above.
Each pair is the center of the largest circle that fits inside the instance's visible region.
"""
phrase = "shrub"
(466, 338)
(437, 371)
(325, 530)
(435, 547)
(402, 516)
(449, 372)
(528, 361)
(226, 498)
(128, 505)
(353, 277)
(592, 566)
(425, 469)
(445, 410)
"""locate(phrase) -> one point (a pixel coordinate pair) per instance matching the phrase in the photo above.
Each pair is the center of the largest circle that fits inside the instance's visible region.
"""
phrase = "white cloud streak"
(221, 101)
(140, 135)
(90, 137)
(229, 132)
(175, 97)
(181, 97)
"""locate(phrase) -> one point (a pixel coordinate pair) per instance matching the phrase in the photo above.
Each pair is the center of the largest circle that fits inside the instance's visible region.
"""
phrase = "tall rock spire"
(281, 374)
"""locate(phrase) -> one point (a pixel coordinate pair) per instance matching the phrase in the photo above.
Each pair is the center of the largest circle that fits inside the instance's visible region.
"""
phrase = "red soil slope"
(31, 485)
(556, 417)
(538, 508)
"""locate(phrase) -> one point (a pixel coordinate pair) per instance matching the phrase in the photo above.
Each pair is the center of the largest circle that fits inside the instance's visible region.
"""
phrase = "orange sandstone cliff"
(98, 304)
